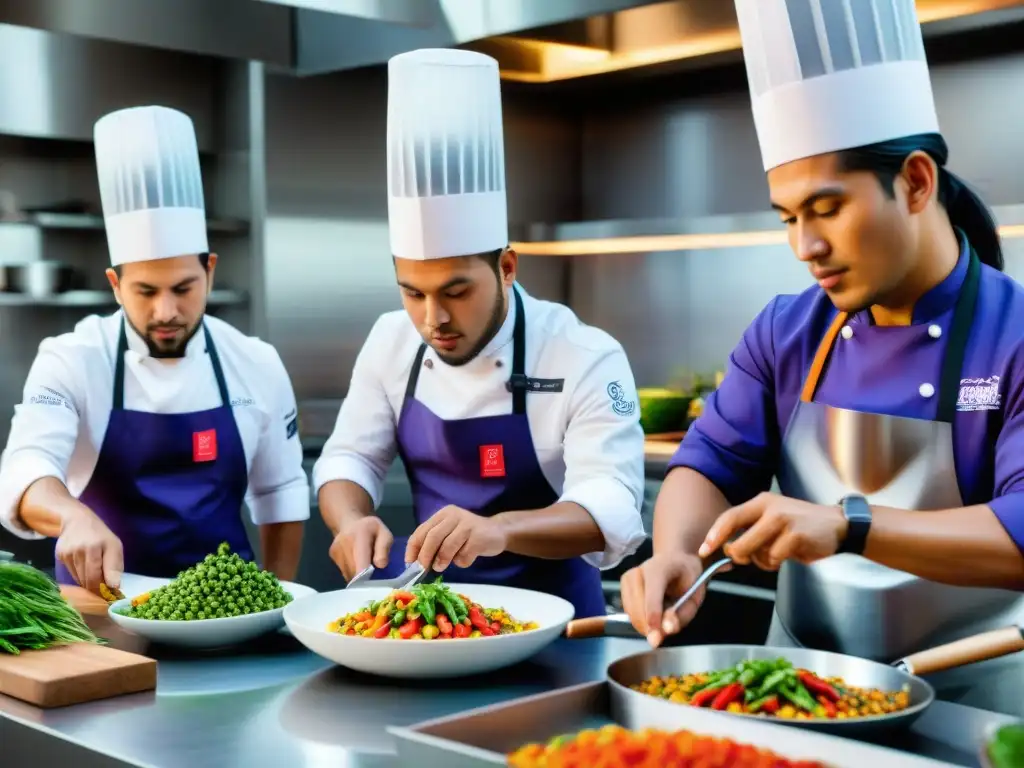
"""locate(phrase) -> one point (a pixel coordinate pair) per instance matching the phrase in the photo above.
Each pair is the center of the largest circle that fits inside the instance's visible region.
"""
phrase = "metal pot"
(41, 279)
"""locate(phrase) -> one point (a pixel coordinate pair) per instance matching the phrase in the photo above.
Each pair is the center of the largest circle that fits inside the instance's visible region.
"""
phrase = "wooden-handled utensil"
(619, 623)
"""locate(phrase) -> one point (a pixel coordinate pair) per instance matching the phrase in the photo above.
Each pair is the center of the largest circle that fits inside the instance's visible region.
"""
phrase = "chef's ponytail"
(966, 210)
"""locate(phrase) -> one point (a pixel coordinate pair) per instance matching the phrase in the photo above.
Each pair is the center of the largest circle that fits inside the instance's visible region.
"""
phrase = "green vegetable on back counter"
(33, 613)
(663, 410)
(1006, 750)
(221, 586)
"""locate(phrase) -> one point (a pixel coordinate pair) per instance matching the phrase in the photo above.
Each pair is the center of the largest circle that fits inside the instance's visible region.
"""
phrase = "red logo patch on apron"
(492, 461)
(204, 445)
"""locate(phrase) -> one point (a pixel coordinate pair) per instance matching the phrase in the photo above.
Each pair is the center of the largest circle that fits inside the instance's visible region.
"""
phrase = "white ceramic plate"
(201, 634)
(308, 617)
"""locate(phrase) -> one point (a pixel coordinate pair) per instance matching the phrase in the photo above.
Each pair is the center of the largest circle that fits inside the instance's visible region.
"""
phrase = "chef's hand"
(361, 543)
(90, 551)
(455, 535)
(649, 586)
(778, 529)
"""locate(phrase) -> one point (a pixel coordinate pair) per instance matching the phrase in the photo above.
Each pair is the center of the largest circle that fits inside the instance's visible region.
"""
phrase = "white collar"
(196, 345)
(504, 335)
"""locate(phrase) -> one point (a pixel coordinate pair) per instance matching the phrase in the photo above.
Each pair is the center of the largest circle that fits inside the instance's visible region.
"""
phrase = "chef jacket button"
(934, 331)
(428, 363)
(847, 332)
(498, 363)
(926, 390)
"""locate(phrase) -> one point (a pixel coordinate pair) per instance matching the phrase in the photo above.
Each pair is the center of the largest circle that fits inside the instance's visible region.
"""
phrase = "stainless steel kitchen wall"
(329, 273)
(679, 156)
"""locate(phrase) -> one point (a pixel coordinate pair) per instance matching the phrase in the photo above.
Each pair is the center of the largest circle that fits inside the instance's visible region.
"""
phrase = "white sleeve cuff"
(286, 505)
(351, 468)
(18, 474)
(617, 514)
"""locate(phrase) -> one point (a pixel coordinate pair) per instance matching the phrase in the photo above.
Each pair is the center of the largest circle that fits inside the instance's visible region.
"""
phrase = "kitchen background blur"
(635, 186)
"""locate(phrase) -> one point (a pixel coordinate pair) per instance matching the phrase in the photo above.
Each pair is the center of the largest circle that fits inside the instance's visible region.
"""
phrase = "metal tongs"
(597, 626)
(413, 574)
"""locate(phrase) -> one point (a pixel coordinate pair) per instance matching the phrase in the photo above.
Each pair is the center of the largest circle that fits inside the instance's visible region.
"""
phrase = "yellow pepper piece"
(430, 632)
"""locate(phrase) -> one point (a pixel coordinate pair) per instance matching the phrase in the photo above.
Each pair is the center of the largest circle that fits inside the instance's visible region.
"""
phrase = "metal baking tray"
(483, 737)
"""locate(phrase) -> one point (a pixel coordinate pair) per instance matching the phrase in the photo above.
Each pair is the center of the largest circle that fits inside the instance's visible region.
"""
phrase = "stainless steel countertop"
(276, 704)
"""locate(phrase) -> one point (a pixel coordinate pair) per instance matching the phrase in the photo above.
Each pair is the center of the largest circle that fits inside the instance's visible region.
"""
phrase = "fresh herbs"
(435, 598)
(1006, 749)
(33, 613)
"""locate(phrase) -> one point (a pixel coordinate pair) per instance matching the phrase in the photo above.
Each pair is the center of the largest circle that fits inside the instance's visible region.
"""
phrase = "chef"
(887, 399)
(141, 434)
(517, 424)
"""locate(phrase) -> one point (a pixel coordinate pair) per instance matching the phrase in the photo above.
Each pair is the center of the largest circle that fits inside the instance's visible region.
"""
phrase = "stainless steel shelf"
(104, 299)
(88, 221)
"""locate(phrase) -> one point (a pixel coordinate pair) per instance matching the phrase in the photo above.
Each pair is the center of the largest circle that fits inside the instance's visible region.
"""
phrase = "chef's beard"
(163, 352)
(490, 331)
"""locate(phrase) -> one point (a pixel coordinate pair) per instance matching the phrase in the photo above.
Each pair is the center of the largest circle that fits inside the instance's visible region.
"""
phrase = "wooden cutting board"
(74, 674)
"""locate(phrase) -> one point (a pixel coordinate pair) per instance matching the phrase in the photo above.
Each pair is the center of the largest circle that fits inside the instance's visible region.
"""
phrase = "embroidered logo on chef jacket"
(242, 402)
(292, 424)
(53, 398)
(979, 394)
(620, 404)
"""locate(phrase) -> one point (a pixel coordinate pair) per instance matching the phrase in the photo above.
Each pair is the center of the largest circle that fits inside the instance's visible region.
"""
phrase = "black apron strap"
(956, 347)
(518, 382)
(122, 348)
(414, 374)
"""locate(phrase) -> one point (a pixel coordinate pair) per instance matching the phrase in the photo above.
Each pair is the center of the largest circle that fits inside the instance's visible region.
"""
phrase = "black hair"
(966, 210)
(204, 259)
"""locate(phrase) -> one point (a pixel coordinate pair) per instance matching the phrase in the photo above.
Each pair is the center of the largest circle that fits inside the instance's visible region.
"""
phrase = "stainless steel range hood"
(299, 36)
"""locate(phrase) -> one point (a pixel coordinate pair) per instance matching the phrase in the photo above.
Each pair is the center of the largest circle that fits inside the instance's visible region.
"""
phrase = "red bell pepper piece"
(405, 597)
(410, 628)
(444, 624)
(383, 631)
(487, 632)
(817, 686)
(496, 626)
(830, 708)
(727, 696)
(461, 630)
(706, 696)
(477, 619)
(770, 706)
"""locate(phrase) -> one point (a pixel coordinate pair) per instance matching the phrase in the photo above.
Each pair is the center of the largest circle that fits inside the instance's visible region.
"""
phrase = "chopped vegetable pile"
(33, 613)
(221, 586)
(428, 612)
(1006, 750)
(615, 747)
(775, 688)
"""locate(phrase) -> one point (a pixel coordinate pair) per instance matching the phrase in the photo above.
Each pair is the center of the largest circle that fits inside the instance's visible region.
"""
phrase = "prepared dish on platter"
(775, 689)
(428, 612)
(616, 747)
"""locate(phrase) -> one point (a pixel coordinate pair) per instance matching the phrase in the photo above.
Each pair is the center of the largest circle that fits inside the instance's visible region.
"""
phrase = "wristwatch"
(857, 512)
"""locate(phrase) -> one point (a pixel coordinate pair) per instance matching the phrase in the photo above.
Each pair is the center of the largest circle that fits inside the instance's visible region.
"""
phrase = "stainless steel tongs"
(413, 574)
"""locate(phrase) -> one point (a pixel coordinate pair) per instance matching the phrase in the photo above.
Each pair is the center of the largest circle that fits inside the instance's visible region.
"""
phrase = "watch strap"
(857, 512)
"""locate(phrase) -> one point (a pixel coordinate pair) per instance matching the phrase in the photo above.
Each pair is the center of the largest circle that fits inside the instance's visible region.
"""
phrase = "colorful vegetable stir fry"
(776, 688)
(428, 612)
(1006, 750)
(33, 613)
(615, 747)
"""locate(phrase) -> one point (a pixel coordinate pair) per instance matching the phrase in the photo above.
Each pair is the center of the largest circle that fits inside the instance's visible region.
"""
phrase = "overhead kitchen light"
(699, 234)
(679, 30)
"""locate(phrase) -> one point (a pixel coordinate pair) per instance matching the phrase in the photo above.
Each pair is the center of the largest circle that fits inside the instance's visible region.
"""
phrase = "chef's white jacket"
(57, 430)
(588, 438)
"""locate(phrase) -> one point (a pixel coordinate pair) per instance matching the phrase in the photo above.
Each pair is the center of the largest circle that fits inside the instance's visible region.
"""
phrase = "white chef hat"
(828, 75)
(446, 159)
(151, 184)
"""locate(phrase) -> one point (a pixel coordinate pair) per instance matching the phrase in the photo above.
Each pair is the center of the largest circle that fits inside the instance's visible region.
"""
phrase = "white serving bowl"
(308, 617)
(203, 633)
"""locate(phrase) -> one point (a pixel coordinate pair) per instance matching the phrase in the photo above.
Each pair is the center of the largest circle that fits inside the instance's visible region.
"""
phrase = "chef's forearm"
(558, 532)
(281, 544)
(687, 506)
(46, 504)
(966, 546)
(342, 502)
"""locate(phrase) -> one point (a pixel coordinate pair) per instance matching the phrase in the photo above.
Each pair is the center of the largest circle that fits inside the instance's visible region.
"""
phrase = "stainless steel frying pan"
(628, 705)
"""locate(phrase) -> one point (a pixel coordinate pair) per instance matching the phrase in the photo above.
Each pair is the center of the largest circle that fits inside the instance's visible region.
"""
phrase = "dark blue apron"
(169, 485)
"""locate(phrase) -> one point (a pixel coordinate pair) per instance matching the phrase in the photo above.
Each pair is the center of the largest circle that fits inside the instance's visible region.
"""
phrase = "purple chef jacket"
(736, 442)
